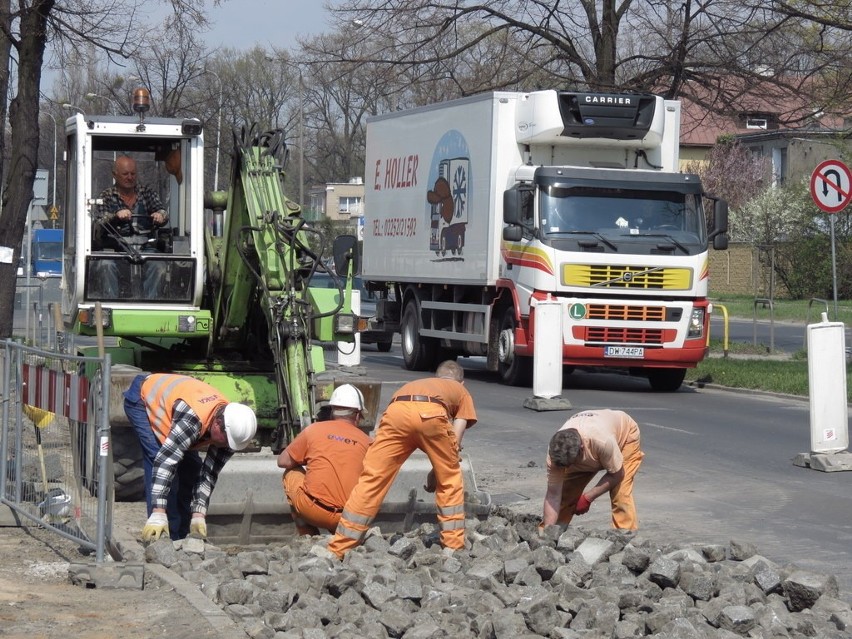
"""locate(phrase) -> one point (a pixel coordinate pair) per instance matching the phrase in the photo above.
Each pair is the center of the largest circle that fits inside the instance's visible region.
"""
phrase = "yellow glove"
(157, 524)
(198, 528)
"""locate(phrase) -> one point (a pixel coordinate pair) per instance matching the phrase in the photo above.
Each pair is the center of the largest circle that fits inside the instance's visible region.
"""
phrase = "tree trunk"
(24, 122)
(5, 51)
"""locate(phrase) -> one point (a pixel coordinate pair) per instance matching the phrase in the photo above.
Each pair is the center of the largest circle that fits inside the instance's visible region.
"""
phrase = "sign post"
(831, 190)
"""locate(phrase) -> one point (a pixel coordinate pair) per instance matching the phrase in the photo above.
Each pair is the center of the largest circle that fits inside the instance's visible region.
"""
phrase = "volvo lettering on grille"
(615, 276)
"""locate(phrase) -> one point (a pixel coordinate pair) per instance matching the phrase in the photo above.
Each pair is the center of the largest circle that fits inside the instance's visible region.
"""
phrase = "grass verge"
(753, 371)
(804, 311)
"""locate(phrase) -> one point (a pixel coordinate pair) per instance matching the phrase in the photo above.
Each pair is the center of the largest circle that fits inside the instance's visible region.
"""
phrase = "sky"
(241, 24)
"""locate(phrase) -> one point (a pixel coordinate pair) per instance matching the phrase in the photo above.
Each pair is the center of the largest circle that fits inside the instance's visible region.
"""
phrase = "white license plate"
(629, 352)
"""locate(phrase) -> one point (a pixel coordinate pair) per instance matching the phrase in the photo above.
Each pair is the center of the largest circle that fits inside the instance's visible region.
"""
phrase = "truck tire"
(384, 347)
(514, 370)
(418, 353)
(666, 380)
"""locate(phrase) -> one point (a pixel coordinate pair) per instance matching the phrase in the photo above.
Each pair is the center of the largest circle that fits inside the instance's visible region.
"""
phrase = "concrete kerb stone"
(130, 552)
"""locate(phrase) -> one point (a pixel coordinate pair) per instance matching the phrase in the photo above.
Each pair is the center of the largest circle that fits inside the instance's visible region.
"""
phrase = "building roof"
(772, 103)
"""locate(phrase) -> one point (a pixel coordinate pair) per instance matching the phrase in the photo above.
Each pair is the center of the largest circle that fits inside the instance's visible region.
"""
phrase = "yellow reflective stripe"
(452, 524)
(355, 518)
(344, 531)
(449, 511)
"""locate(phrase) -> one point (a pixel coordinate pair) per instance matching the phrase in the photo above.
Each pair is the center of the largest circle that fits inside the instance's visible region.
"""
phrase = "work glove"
(157, 524)
(198, 528)
(583, 505)
(431, 483)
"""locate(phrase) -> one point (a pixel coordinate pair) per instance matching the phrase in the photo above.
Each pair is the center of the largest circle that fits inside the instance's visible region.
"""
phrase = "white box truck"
(476, 209)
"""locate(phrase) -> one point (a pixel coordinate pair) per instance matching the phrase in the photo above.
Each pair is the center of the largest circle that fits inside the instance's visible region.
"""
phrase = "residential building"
(337, 201)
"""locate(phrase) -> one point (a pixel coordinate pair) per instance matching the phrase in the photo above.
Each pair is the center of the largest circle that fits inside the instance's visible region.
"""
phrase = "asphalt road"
(778, 336)
(718, 463)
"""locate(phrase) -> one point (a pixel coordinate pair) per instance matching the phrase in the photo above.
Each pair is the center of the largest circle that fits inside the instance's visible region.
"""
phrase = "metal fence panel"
(55, 442)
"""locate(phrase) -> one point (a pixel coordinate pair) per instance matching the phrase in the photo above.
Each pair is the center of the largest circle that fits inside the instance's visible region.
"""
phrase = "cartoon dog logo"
(442, 200)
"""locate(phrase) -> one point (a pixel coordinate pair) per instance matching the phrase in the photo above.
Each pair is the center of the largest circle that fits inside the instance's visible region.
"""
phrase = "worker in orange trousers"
(591, 441)
(430, 415)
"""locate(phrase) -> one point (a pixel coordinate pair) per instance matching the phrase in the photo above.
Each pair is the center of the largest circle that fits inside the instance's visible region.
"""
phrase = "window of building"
(350, 206)
(753, 122)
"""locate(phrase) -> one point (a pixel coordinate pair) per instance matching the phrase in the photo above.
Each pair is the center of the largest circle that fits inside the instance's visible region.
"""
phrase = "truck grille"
(609, 335)
(626, 313)
(632, 277)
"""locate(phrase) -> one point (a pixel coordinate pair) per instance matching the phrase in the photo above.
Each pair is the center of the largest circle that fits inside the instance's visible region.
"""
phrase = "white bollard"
(827, 384)
(547, 358)
(547, 350)
(827, 389)
(349, 353)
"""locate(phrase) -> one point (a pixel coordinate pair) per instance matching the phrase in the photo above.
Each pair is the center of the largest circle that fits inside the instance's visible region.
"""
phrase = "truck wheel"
(514, 370)
(418, 353)
(384, 347)
(666, 380)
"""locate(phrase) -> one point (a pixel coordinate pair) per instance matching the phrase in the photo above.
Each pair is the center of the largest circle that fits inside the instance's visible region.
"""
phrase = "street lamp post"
(301, 126)
(68, 105)
(50, 115)
(113, 103)
(218, 128)
(301, 138)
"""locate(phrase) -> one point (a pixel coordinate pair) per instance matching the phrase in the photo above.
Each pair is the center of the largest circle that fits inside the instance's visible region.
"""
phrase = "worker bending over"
(428, 414)
(333, 452)
(587, 443)
(174, 417)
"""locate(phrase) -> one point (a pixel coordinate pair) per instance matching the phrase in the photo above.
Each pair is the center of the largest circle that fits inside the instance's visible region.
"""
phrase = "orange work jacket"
(160, 391)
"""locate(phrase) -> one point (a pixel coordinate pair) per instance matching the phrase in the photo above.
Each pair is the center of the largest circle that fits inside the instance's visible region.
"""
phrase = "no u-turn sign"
(831, 186)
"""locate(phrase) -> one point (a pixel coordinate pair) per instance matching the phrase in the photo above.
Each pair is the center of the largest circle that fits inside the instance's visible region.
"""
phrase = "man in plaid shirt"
(128, 214)
(175, 416)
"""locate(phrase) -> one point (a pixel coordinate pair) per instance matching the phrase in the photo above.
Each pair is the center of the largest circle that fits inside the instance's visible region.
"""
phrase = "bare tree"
(713, 52)
(26, 28)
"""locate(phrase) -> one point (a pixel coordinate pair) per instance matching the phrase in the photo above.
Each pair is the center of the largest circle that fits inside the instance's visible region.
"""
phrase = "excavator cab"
(213, 285)
(133, 263)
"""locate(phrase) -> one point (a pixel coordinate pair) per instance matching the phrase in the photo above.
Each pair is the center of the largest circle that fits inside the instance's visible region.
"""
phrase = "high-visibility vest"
(160, 391)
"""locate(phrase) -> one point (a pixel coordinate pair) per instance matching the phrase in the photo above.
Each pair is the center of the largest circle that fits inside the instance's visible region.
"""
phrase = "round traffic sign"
(831, 186)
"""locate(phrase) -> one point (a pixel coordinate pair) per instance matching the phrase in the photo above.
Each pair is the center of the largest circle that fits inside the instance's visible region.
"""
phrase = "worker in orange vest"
(174, 417)
(428, 414)
(323, 462)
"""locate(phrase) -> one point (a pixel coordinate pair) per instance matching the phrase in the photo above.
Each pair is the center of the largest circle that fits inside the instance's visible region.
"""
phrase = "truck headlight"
(696, 324)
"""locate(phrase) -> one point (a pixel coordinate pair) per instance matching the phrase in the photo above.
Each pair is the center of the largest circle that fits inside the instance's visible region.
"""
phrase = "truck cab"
(47, 252)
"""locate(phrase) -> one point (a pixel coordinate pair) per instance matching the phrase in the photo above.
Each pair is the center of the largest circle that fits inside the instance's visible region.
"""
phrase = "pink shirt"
(604, 434)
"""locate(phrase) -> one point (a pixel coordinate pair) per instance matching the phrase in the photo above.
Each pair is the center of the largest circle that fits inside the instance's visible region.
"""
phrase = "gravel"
(512, 581)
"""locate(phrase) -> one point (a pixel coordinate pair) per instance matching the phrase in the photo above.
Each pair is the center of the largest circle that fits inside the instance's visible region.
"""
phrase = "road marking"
(661, 427)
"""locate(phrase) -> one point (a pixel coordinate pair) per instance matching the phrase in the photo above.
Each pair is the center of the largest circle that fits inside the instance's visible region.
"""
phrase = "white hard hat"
(240, 425)
(347, 396)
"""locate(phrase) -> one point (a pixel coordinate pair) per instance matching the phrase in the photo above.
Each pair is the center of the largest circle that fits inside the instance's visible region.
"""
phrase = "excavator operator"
(128, 216)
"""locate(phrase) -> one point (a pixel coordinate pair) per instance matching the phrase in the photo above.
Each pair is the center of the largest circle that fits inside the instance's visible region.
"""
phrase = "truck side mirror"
(344, 249)
(517, 211)
(720, 242)
(719, 235)
(513, 233)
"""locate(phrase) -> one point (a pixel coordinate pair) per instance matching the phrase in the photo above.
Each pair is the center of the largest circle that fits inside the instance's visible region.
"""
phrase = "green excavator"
(221, 292)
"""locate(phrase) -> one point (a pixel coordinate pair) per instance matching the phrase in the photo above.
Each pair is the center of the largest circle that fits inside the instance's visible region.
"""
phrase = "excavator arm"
(260, 266)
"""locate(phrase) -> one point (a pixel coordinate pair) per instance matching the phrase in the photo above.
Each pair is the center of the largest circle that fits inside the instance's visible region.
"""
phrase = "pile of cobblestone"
(512, 581)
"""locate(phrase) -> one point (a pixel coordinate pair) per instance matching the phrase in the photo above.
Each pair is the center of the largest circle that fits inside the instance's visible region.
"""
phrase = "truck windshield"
(616, 212)
(48, 251)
